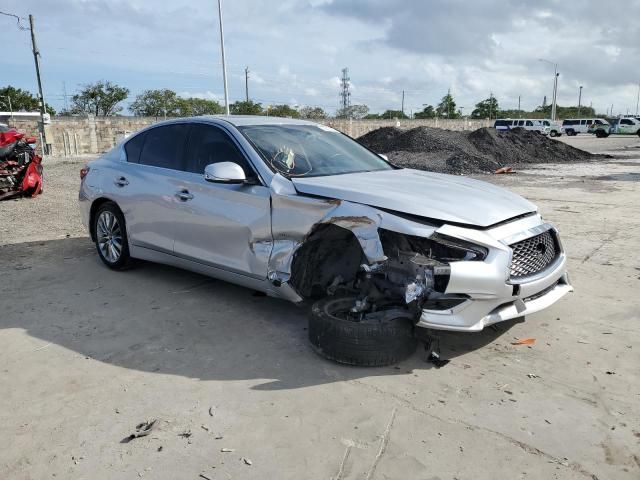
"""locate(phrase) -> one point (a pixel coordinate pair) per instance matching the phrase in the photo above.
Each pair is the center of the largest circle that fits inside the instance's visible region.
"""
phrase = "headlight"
(455, 250)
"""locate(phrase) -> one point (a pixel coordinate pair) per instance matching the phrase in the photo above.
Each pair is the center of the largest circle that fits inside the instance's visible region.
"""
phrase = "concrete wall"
(81, 135)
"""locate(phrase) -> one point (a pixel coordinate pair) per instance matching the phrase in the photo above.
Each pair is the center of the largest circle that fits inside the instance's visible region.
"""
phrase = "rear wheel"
(570, 132)
(369, 340)
(111, 236)
(553, 133)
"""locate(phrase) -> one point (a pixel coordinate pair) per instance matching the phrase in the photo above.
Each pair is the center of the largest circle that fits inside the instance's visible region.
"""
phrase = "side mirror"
(224, 172)
(384, 157)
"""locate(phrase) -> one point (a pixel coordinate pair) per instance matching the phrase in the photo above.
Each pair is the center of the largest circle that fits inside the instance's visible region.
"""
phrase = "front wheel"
(111, 237)
(367, 340)
(553, 133)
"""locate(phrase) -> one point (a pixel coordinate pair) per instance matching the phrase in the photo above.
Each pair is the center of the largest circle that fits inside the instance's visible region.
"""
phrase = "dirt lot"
(86, 354)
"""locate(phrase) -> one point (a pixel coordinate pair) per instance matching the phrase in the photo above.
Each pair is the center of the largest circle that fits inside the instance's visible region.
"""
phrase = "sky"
(295, 50)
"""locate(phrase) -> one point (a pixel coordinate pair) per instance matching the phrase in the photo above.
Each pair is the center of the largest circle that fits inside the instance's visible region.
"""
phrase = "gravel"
(54, 214)
(480, 151)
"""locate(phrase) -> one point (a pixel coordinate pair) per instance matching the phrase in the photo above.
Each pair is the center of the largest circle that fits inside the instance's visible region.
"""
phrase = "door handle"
(121, 182)
(184, 195)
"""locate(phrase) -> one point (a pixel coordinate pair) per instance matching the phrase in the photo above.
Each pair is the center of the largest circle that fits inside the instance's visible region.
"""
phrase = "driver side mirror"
(224, 172)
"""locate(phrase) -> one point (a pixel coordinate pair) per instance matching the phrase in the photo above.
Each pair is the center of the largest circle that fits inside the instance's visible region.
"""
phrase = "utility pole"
(402, 103)
(36, 58)
(490, 104)
(224, 64)
(555, 87)
(345, 93)
(519, 111)
(638, 99)
(246, 84)
(579, 100)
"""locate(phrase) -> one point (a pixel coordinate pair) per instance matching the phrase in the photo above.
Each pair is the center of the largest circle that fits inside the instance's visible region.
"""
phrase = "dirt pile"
(480, 151)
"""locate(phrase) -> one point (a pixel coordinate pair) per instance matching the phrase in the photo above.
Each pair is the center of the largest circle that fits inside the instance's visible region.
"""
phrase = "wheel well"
(97, 203)
(328, 252)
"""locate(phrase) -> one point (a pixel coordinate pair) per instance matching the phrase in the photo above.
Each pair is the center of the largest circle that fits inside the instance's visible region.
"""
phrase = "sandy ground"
(86, 354)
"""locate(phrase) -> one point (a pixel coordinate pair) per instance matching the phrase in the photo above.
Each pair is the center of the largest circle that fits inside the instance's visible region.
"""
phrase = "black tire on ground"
(119, 231)
(365, 344)
(571, 132)
(600, 134)
(553, 133)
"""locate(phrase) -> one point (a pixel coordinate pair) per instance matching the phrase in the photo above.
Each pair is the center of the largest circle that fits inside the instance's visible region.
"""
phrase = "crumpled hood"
(433, 195)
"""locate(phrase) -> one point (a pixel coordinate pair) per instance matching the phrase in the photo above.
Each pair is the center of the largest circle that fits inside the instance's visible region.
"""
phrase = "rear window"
(502, 123)
(570, 122)
(133, 148)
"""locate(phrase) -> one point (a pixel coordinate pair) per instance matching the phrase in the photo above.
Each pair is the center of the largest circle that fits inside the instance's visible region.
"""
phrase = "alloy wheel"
(109, 235)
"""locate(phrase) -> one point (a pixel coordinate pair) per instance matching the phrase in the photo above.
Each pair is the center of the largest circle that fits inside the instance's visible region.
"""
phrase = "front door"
(223, 225)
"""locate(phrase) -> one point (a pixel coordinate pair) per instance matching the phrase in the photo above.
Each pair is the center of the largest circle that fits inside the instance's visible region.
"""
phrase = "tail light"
(83, 171)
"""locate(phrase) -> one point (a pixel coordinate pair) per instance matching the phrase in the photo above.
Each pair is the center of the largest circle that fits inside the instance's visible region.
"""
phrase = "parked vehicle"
(616, 126)
(20, 166)
(302, 212)
(555, 128)
(574, 126)
(532, 124)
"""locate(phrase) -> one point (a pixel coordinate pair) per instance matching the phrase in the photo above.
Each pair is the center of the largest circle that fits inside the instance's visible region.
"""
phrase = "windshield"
(310, 150)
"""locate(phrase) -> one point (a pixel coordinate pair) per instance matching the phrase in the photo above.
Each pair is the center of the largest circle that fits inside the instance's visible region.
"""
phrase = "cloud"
(295, 49)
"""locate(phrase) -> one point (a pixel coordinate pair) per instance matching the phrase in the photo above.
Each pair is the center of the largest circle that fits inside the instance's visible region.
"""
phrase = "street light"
(555, 86)
(224, 65)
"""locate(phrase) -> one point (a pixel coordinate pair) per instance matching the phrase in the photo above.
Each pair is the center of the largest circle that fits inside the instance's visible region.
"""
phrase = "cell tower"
(345, 93)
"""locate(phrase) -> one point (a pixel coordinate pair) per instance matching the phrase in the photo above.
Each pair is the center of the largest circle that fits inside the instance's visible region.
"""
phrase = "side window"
(626, 121)
(133, 148)
(584, 122)
(521, 123)
(209, 144)
(164, 146)
(529, 123)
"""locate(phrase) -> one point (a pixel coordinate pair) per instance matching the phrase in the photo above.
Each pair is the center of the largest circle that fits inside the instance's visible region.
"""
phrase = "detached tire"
(364, 344)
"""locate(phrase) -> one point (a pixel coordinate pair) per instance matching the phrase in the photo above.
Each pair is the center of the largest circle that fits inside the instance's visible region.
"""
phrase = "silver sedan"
(300, 211)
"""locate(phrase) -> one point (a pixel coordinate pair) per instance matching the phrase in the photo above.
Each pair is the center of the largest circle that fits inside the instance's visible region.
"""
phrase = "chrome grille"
(534, 254)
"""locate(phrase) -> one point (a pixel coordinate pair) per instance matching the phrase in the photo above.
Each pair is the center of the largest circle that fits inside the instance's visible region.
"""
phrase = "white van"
(532, 124)
(574, 126)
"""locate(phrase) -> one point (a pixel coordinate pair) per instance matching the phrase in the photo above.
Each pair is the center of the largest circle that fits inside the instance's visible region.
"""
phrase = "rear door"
(147, 187)
(224, 225)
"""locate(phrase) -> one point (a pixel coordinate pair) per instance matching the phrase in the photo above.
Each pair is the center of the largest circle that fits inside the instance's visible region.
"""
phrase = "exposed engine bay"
(413, 277)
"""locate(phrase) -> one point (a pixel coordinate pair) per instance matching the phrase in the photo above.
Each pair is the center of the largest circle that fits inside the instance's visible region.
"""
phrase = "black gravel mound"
(480, 151)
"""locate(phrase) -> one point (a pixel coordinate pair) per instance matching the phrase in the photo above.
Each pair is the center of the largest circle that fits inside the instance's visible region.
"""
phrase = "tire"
(600, 134)
(111, 236)
(553, 133)
(366, 344)
(570, 133)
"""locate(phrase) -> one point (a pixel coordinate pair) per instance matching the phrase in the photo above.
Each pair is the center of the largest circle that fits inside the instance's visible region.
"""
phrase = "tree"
(100, 99)
(353, 111)
(283, 111)
(372, 116)
(447, 107)
(155, 103)
(21, 100)
(487, 108)
(245, 108)
(192, 107)
(388, 114)
(312, 113)
(427, 112)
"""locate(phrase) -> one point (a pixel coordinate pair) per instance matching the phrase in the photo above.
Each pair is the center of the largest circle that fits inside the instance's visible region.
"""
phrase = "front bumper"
(491, 296)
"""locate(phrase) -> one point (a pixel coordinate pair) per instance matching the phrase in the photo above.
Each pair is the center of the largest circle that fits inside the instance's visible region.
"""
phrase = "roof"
(242, 120)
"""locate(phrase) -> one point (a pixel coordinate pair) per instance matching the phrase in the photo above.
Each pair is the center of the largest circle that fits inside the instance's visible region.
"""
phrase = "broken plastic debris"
(524, 341)
(142, 430)
(505, 170)
(247, 461)
(227, 450)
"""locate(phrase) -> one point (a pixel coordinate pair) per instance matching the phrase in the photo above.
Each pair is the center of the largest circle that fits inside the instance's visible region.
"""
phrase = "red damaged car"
(20, 166)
